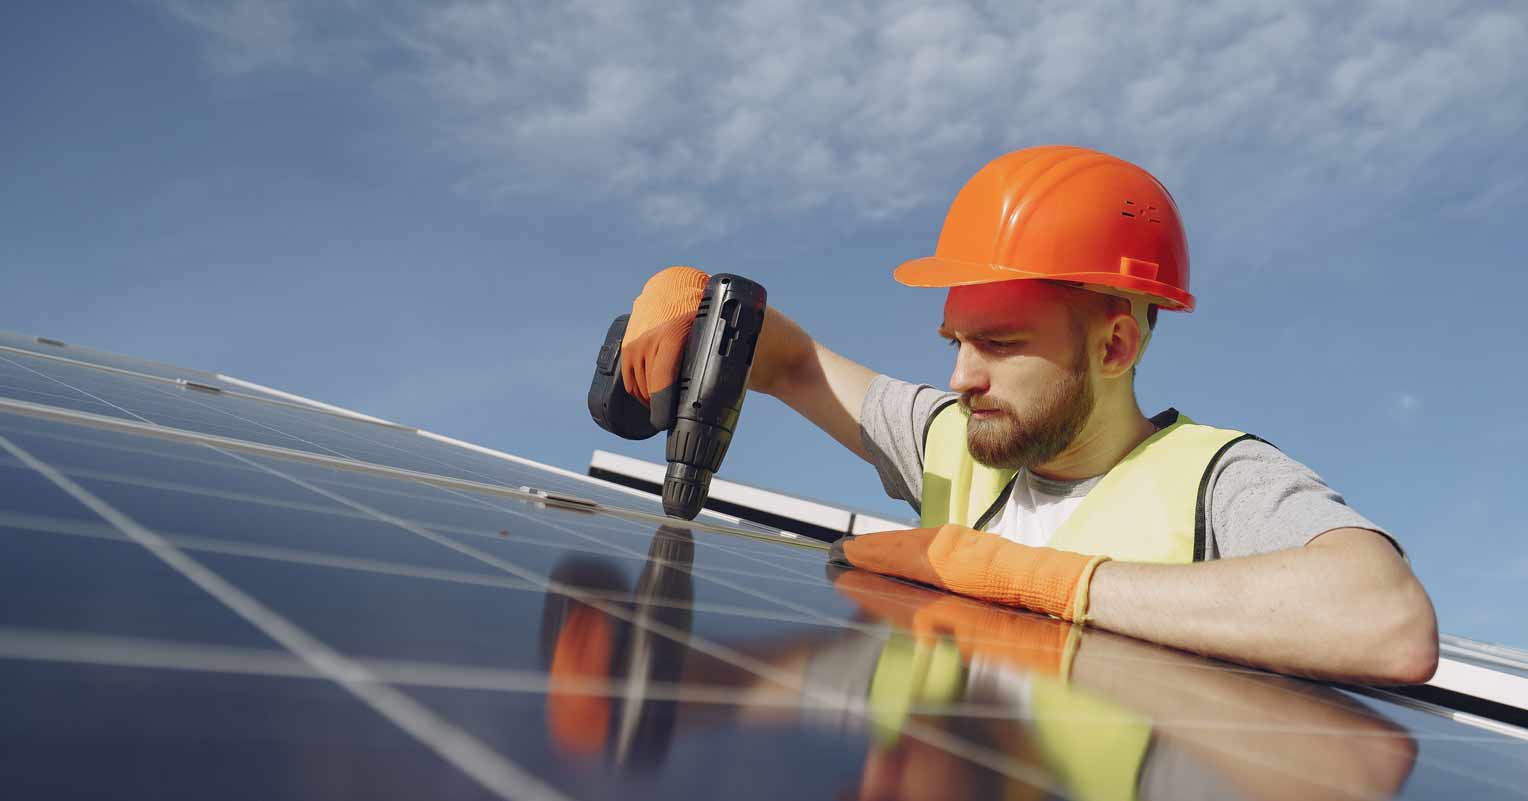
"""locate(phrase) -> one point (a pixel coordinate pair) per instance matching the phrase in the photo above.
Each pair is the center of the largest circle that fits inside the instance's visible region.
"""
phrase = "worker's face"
(1021, 369)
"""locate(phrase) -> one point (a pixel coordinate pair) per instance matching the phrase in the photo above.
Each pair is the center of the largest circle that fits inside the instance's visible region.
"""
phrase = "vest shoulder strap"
(956, 488)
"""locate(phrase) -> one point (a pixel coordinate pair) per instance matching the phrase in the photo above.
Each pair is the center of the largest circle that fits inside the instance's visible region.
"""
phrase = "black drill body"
(708, 396)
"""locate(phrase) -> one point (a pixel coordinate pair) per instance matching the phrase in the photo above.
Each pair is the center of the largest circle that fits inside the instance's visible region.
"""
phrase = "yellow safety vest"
(1148, 508)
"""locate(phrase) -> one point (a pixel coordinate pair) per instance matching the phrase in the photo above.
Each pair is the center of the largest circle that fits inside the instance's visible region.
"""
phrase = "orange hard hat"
(1063, 214)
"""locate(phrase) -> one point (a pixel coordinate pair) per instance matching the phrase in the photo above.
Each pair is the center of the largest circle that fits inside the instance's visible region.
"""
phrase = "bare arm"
(821, 385)
(1345, 606)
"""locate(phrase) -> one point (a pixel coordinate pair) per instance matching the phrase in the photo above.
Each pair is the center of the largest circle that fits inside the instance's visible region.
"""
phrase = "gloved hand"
(653, 348)
(982, 565)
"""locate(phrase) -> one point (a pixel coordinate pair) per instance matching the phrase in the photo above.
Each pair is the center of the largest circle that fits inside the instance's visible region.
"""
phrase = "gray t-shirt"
(1258, 499)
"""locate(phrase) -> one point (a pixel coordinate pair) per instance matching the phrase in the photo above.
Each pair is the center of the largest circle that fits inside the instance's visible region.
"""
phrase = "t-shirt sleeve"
(1259, 500)
(892, 422)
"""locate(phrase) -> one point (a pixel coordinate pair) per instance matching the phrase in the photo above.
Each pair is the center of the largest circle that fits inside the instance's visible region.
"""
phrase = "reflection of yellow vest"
(1148, 508)
(1094, 747)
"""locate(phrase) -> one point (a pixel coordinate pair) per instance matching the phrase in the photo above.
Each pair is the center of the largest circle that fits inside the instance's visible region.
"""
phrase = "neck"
(1111, 433)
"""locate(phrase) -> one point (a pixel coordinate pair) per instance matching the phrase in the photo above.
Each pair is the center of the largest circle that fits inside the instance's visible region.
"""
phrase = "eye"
(954, 343)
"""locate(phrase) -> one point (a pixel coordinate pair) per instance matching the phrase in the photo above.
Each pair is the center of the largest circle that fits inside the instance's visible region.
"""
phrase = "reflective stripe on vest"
(1147, 508)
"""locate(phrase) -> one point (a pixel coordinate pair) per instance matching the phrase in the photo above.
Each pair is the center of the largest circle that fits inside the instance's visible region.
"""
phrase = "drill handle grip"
(611, 406)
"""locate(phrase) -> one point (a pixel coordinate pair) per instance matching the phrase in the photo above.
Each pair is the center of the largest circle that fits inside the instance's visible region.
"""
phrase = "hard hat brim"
(933, 271)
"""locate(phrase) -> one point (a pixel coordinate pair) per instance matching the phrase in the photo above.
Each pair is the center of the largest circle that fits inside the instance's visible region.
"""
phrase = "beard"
(1013, 440)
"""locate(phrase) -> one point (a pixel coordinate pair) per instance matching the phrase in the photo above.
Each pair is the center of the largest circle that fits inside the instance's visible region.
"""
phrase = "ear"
(1120, 344)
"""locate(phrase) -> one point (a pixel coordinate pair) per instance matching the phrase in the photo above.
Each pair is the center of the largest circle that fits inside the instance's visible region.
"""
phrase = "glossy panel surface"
(350, 634)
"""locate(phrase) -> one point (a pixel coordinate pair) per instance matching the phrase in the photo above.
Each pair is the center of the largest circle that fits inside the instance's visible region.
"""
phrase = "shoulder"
(904, 407)
(1259, 499)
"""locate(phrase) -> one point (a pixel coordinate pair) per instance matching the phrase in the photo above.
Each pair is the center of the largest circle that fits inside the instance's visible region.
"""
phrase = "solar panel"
(206, 592)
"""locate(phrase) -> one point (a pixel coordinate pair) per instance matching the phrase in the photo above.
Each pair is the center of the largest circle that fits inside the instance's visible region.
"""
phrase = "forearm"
(1344, 607)
(821, 385)
(783, 347)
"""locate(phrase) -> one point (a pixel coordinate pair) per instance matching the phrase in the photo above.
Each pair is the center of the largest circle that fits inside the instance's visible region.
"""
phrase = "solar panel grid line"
(591, 546)
(1278, 683)
(97, 649)
(456, 746)
(77, 389)
(177, 397)
(604, 535)
(800, 608)
(786, 573)
(263, 394)
(245, 446)
(984, 757)
(13, 388)
(307, 405)
(807, 552)
(318, 509)
(631, 554)
(1255, 756)
(103, 649)
(185, 457)
(91, 648)
(561, 472)
(84, 350)
(232, 548)
(215, 409)
(431, 533)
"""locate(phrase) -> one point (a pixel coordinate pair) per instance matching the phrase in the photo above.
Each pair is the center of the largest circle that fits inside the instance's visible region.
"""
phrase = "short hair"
(1101, 303)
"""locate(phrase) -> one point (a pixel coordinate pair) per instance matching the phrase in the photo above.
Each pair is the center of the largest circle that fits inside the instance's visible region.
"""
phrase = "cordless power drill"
(712, 381)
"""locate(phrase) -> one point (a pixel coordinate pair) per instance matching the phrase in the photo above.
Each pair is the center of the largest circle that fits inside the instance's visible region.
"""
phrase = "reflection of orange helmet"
(579, 718)
(1064, 214)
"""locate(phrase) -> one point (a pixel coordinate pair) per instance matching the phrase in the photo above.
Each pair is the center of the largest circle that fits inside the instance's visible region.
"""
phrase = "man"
(1040, 482)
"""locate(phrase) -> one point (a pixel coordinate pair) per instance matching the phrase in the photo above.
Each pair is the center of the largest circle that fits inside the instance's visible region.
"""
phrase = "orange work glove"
(653, 348)
(982, 565)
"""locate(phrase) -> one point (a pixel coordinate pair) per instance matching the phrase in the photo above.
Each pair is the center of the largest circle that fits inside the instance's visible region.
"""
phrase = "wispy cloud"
(1265, 117)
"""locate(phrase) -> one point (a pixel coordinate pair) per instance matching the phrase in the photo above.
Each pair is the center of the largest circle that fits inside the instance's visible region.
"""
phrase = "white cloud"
(1263, 118)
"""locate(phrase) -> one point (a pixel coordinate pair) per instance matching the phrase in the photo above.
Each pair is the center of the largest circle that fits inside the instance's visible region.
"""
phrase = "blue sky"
(431, 212)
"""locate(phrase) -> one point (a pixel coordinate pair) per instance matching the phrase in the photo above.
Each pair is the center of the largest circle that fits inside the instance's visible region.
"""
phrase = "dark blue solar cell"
(25, 493)
(80, 731)
(394, 617)
(86, 584)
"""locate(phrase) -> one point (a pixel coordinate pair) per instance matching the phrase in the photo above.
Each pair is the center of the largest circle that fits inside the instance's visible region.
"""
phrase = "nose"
(970, 374)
